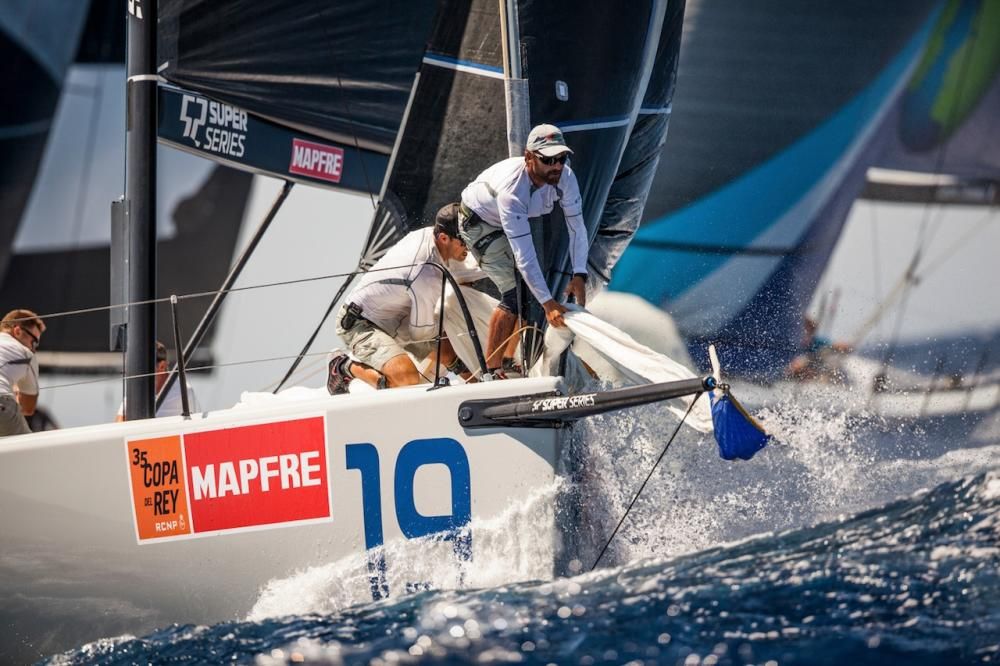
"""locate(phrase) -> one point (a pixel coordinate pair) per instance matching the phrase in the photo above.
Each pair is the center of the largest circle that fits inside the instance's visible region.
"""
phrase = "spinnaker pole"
(140, 209)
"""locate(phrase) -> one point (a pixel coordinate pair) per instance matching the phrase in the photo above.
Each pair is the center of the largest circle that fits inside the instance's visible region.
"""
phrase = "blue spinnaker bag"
(737, 433)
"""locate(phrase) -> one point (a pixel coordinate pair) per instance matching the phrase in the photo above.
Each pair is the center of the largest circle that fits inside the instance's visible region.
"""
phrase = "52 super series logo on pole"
(213, 126)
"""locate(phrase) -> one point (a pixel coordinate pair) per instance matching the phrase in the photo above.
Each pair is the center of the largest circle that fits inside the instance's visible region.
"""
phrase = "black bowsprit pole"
(140, 208)
(554, 411)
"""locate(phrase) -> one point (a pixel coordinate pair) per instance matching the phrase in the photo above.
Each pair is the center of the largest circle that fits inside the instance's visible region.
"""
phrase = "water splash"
(502, 551)
(826, 462)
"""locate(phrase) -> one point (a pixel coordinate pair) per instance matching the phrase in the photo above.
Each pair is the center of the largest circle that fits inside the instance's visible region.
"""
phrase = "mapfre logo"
(135, 8)
(213, 126)
(317, 160)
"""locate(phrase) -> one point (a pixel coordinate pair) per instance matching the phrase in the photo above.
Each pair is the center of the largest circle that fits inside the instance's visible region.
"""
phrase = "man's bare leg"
(502, 325)
(448, 357)
(398, 371)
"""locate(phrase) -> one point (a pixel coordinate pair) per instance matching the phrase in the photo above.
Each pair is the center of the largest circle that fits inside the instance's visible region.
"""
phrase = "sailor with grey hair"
(496, 209)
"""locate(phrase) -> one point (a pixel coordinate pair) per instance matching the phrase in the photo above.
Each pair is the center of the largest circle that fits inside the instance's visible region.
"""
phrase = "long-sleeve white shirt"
(505, 197)
(399, 294)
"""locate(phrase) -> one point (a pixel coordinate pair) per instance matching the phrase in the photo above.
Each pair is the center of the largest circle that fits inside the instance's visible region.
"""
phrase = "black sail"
(578, 70)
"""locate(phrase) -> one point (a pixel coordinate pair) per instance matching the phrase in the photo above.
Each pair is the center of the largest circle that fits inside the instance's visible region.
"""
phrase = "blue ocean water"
(916, 581)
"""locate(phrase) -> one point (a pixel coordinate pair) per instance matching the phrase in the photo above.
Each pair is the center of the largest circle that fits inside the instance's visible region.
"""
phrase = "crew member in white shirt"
(392, 309)
(20, 333)
(496, 208)
(172, 405)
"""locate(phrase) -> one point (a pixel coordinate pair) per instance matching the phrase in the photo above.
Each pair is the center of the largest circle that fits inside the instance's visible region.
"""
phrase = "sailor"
(496, 209)
(171, 405)
(20, 332)
(392, 310)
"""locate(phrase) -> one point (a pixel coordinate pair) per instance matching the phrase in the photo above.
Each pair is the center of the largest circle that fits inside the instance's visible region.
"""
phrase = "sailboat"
(124, 527)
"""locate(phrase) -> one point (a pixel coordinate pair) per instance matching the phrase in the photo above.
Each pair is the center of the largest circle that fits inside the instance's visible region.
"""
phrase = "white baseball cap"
(547, 140)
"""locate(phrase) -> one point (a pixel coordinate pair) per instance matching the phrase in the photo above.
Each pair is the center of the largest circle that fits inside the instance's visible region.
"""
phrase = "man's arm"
(27, 403)
(514, 220)
(579, 243)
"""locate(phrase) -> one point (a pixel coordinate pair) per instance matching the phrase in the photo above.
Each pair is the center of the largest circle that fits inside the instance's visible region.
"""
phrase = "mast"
(515, 87)
(140, 208)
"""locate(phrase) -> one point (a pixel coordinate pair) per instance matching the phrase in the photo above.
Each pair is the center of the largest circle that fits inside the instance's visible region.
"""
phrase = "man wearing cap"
(495, 213)
(392, 310)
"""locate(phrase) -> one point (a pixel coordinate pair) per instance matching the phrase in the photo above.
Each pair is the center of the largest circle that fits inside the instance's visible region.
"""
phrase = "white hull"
(79, 566)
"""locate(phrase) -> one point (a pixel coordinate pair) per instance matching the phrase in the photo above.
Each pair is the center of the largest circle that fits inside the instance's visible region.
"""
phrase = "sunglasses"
(549, 161)
(34, 338)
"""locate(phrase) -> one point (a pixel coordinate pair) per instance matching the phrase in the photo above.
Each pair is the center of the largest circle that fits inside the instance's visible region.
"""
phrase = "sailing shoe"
(339, 378)
(511, 369)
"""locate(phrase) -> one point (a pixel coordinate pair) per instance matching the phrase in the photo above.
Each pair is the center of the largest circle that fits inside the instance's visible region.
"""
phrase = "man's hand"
(554, 312)
(578, 288)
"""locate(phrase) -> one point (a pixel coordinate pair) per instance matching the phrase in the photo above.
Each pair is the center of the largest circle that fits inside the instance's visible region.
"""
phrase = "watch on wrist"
(580, 275)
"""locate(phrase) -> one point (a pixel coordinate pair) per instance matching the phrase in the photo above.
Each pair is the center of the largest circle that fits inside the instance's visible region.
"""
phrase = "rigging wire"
(357, 146)
(350, 277)
(205, 294)
(876, 264)
(214, 366)
(643, 486)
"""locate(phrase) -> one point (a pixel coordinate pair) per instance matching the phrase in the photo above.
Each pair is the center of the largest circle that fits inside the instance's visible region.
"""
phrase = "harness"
(470, 219)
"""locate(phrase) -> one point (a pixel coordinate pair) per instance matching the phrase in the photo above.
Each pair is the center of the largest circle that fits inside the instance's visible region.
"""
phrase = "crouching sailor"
(392, 311)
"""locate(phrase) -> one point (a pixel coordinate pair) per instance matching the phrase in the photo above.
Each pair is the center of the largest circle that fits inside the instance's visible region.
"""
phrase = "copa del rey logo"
(317, 160)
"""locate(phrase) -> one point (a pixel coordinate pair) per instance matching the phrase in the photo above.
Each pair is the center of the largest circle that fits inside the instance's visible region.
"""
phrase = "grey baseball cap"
(547, 140)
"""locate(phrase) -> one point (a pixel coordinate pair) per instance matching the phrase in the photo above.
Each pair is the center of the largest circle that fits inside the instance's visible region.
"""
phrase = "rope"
(643, 486)
(503, 345)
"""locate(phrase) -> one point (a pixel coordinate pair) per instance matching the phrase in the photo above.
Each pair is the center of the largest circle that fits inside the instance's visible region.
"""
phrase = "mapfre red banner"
(257, 475)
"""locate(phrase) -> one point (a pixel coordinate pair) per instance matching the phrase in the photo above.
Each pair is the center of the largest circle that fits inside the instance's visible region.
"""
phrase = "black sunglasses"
(34, 338)
(549, 161)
